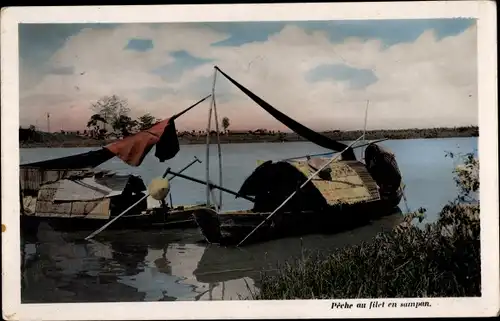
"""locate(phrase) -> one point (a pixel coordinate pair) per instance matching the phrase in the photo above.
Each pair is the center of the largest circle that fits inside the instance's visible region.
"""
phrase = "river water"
(173, 264)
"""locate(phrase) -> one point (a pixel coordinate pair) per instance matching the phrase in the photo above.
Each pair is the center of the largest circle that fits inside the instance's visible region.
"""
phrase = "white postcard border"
(484, 11)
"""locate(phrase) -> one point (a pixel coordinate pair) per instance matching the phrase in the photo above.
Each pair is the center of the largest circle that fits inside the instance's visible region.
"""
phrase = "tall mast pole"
(218, 137)
(208, 153)
(364, 128)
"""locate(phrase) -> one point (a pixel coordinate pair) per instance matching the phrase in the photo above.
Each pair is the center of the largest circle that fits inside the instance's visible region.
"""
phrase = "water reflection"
(229, 265)
(160, 265)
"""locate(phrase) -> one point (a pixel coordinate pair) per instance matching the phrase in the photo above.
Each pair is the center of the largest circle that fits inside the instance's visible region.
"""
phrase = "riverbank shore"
(187, 138)
(442, 259)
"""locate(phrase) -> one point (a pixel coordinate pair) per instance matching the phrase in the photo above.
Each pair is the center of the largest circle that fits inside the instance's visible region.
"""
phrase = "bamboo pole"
(330, 153)
(214, 199)
(218, 138)
(211, 185)
(364, 128)
(207, 174)
(189, 108)
(301, 186)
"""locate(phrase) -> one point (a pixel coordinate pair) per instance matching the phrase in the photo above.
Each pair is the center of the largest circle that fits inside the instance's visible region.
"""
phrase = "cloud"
(155, 93)
(241, 34)
(183, 61)
(389, 32)
(63, 70)
(140, 45)
(321, 82)
(357, 78)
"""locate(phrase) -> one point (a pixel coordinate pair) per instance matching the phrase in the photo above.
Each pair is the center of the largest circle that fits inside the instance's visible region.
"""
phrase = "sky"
(410, 73)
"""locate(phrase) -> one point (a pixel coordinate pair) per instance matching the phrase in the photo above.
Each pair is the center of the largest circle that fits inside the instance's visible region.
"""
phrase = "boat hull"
(158, 218)
(231, 228)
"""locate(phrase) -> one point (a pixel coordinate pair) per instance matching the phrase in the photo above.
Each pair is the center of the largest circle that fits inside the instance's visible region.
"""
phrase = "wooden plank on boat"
(48, 191)
(92, 210)
(85, 189)
(48, 206)
(348, 182)
(367, 179)
(29, 205)
(84, 195)
(89, 210)
(32, 178)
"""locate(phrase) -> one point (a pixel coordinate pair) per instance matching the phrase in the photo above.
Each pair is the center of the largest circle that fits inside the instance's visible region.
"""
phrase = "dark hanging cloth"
(84, 160)
(297, 127)
(168, 145)
(133, 149)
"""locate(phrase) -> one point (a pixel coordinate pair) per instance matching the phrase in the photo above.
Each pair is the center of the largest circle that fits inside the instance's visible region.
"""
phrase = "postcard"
(250, 161)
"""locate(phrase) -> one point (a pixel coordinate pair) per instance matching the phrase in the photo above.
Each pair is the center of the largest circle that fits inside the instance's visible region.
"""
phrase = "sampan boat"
(70, 194)
(343, 197)
(86, 199)
(341, 194)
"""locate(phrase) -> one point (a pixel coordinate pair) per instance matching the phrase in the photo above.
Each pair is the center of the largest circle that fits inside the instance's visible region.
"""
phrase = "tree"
(93, 124)
(94, 120)
(124, 124)
(101, 133)
(111, 108)
(466, 176)
(225, 123)
(146, 121)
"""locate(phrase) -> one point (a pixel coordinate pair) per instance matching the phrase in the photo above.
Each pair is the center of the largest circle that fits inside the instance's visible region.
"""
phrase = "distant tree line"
(111, 120)
(111, 117)
(412, 133)
(263, 135)
(29, 134)
(32, 135)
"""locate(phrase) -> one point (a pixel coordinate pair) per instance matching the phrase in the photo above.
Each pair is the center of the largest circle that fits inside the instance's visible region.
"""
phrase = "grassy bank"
(414, 133)
(40, 139)
(440, 260)
(36, 139)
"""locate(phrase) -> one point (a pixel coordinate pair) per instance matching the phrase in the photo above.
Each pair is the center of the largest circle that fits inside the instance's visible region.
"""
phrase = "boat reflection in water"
(128, 266)
(226, 265)
(57, 269)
